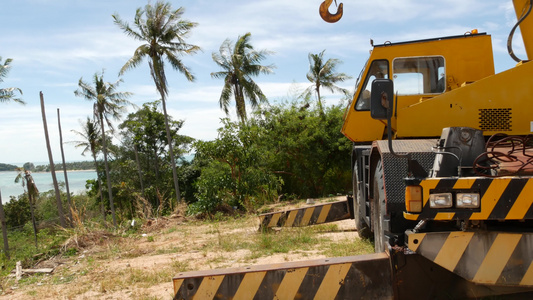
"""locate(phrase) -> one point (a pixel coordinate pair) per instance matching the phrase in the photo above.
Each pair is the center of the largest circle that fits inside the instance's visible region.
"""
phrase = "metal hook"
(326, 15)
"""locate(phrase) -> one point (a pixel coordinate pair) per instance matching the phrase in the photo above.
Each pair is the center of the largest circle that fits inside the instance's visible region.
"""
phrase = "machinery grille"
(495, 119)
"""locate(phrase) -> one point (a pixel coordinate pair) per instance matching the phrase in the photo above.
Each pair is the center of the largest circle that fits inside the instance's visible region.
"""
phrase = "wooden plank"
(33, 271)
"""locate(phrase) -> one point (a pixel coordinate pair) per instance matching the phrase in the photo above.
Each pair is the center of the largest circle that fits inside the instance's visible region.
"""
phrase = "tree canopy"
(240, 62)
(323, 74)
(249, 164)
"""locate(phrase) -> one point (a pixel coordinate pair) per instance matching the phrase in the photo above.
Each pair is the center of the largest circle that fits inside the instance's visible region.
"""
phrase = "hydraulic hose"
(511, 34)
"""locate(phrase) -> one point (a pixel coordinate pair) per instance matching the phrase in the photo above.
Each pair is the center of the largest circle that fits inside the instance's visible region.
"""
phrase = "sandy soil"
(142, 266)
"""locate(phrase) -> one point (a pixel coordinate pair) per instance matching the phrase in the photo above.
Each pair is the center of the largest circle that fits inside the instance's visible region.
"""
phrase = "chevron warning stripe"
(482, 257)
(503, 198)
(354, 277)
(305, 216)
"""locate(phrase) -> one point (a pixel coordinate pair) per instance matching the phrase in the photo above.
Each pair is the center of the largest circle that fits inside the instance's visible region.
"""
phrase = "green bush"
(235, 175)
(17, 211)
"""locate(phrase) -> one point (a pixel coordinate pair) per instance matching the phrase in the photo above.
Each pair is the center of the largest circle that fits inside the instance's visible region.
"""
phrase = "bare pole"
(52, 167)
(64, 166)
(4, 227)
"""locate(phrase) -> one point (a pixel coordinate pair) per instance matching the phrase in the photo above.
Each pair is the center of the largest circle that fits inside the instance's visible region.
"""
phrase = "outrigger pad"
(354, 277)
(305, 216)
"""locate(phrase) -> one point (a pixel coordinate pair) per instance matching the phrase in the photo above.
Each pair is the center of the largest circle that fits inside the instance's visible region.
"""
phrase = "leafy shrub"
(17, 211)
(235, 174)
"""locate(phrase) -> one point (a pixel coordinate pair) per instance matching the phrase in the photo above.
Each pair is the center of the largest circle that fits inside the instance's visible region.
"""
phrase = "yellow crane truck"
(442, 181)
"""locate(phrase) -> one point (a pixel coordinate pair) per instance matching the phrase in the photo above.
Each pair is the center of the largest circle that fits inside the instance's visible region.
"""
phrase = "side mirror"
(382, 99)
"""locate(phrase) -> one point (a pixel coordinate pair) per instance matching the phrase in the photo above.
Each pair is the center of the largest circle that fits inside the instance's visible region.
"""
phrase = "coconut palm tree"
(8, 94)
(108, 104)
(323, 74)
(162, 32)
(240, 63)
(91, 143)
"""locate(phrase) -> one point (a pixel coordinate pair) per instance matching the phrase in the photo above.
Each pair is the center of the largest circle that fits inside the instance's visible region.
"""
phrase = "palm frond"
(8, 94)
(240, 62)
(323, 74)
(163, 30)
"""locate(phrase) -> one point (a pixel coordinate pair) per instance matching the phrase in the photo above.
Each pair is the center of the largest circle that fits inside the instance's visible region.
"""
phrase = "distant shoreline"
(40, 172)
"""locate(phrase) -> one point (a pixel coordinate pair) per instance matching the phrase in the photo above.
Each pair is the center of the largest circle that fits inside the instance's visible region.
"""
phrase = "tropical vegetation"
(7, 167)
(285, 150)
(162, 32)
(109, 104)
(280, 150)
(248, 165)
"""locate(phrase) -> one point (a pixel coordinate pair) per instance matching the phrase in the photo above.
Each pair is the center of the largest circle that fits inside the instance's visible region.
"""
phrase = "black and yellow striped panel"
(305, 216)
(481, 257)
(354, 277)
(504, 198)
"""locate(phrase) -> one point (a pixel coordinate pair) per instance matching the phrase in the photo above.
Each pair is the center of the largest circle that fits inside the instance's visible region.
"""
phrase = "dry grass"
(141, 265)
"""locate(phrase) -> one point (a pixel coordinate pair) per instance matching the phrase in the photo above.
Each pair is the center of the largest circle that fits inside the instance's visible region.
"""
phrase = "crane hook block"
(326, 15)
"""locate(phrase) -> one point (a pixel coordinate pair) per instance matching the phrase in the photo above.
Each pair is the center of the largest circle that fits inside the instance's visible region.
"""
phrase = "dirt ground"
(142, 265)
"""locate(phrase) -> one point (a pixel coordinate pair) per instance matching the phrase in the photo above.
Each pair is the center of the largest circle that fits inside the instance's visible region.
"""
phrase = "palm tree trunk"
(4, 227)
(140, 175)
(102, 208)
(242, 109)
(52, 167)
(31, 199)
(320, 108)
(171, 151)
(109, 186)
(157, 183)
(64, 166)
(240, 103)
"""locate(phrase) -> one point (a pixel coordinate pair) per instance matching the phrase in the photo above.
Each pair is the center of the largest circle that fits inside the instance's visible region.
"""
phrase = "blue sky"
(53, 43)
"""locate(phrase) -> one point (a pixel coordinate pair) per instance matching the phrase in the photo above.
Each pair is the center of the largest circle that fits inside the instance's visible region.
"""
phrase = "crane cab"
(420, 70)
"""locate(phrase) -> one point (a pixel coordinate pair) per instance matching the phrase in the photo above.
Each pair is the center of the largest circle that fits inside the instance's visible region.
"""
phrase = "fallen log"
(34, 271)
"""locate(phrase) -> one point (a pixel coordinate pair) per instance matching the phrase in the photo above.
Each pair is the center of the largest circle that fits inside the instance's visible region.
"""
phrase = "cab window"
(419, 75)
(378, 69)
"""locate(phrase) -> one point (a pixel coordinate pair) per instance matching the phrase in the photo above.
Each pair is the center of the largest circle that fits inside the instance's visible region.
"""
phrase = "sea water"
(44, 182)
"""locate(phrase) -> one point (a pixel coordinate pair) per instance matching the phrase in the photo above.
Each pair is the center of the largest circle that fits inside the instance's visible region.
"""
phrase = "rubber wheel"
(378, 209)
(362, 227)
